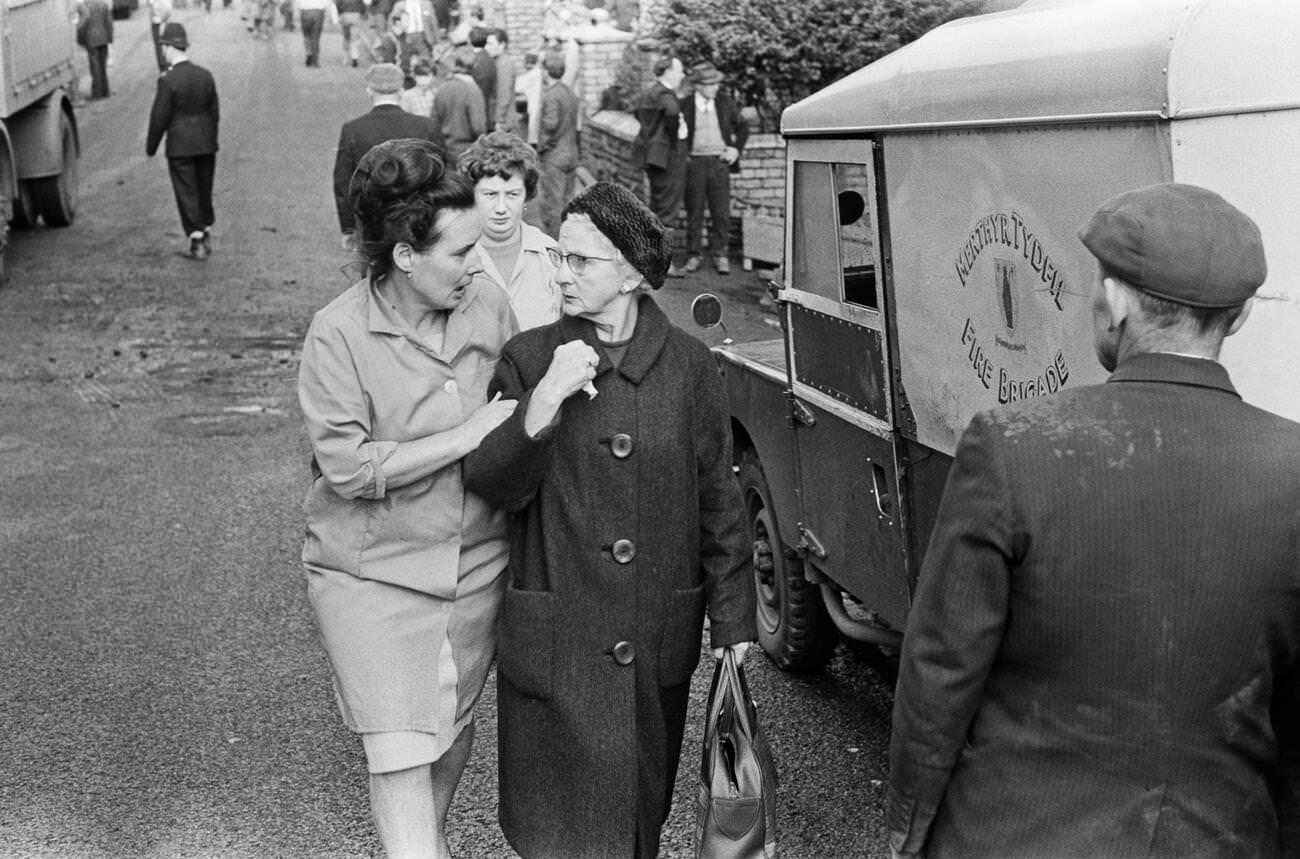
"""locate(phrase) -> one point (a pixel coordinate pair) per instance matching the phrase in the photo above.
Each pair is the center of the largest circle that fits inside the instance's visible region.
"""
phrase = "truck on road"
(932, 268)
(39, 143)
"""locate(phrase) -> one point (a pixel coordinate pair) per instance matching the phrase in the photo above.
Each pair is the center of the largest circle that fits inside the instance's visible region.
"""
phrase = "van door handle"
(884, 500)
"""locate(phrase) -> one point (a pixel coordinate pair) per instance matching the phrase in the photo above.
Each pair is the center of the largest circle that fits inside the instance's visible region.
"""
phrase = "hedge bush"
(775, 52)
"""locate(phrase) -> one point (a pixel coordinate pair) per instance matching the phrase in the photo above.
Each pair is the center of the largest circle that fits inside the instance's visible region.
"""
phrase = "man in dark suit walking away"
(715, 137)
(1102, 656)
(557, 144)
(95, 34)
(385, 121)
(185, 109)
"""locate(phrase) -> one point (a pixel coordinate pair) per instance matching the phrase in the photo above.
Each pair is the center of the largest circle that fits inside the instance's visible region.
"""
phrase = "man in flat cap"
(1101, 656)
(186, 110)
(715, 137)
(385, 121)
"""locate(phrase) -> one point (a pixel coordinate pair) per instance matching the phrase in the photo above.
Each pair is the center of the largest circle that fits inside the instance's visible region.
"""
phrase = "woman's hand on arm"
(573, 365)
(413, 460)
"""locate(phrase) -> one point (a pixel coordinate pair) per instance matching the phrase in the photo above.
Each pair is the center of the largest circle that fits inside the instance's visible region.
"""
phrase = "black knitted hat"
(629, 224)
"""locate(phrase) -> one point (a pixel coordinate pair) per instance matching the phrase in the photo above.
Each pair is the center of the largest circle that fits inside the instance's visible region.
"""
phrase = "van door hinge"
(799, 411)
(809, 543)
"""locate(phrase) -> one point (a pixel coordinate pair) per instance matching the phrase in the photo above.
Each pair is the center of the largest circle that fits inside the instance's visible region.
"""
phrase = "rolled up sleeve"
(338, 416)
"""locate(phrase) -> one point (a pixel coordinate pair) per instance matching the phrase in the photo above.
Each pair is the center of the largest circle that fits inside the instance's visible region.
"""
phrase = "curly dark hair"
(503, 154)
(398, 190)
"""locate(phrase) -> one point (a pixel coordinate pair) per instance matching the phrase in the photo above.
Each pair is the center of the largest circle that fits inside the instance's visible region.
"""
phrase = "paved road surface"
(161, 689)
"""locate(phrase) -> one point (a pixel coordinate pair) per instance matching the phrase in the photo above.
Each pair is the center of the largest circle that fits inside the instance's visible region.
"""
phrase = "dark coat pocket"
(679, 652)
(526, 641)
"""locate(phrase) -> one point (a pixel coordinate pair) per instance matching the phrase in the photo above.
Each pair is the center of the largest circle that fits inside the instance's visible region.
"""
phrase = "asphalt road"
(162, 691)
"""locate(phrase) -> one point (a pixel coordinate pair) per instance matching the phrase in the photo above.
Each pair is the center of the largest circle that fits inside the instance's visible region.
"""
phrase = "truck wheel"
(24, 213)
(56, 196)
(792, 623)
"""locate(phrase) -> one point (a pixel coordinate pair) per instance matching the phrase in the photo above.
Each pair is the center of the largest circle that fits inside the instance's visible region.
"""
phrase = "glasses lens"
(576, 262)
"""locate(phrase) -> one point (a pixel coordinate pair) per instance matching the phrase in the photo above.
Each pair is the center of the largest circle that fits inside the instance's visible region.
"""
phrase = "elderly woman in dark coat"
(626, 522)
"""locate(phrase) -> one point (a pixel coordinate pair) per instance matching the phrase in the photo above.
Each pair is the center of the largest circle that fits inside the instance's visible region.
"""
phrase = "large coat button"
(621, 445)
(624, 551)
(624, 652)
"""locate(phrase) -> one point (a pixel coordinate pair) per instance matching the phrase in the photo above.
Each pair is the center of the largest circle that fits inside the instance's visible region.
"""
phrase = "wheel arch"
(36, 136)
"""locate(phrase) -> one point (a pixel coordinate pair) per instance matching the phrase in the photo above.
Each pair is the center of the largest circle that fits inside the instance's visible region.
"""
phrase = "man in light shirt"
(715, 138)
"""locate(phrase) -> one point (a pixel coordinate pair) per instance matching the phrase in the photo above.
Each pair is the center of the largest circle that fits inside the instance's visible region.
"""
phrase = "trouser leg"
(192, 185)
(205, 168)
(550, 198)
(719, 196)
(185, 185)
(96, 59)
(311, 21)
(697, 175)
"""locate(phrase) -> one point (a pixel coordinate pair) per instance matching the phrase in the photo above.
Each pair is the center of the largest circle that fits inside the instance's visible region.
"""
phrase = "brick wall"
(757, 194)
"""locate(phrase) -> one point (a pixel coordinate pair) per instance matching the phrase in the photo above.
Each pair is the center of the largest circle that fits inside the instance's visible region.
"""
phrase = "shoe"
(722, 264)
(196, 244)
(692, 264)
(207, 243)
(675, 271)
(354, 62)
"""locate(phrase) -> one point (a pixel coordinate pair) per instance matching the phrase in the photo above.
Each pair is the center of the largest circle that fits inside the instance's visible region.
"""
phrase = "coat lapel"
(648, 340)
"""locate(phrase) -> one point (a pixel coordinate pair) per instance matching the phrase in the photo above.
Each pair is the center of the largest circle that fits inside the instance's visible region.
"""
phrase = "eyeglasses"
(577, 262)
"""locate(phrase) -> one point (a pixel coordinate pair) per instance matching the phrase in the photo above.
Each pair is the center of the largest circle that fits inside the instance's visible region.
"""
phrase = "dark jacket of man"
(734, 132)
(1101, 659)
(557, 142)
(656, 143)
(383, 122)
(614, 553)
(461, 114)
(185, 108)
(95, 25)
(485, 75)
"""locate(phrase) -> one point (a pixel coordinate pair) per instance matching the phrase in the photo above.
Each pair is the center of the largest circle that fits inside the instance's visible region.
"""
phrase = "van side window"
(816, 261)
(834, 244)
(857, 242)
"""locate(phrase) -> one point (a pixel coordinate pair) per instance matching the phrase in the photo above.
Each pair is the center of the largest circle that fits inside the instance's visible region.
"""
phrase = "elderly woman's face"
(500, 204)
(599, 285)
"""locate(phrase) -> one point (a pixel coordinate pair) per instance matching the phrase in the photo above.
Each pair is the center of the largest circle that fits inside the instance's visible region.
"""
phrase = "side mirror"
(706, 310)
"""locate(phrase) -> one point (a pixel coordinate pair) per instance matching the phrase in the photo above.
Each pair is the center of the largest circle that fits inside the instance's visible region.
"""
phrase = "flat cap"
(705, 74)
(1182, 243)
(384, 78)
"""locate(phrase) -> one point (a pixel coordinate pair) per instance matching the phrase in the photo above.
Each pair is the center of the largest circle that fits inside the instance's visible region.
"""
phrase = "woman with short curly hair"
(404, 567)
(505, 171)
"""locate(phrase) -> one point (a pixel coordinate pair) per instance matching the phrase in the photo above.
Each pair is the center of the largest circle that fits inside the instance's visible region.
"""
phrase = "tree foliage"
(775, 52)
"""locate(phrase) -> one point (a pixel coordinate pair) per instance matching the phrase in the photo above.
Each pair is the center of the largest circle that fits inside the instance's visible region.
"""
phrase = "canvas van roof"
(1072, 61)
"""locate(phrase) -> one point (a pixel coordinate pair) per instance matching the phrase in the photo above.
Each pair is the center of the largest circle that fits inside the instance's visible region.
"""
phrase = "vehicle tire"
(56, 196)
(793, 626)
(24, 213)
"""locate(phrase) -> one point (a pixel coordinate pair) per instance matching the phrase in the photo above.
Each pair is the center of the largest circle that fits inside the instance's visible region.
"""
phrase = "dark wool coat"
(626, 520)
(1101, 659)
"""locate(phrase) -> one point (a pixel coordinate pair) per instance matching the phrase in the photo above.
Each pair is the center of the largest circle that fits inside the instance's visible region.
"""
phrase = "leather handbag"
(736, 811)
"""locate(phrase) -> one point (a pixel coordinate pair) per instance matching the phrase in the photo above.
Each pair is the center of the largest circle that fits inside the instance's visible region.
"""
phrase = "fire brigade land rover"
(932, 268)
